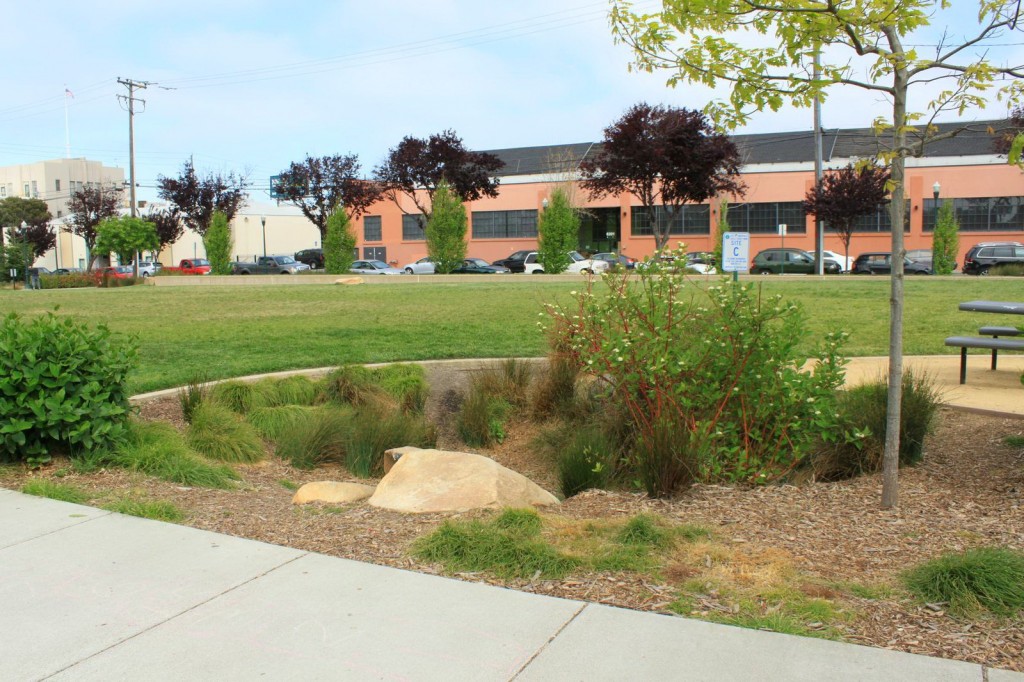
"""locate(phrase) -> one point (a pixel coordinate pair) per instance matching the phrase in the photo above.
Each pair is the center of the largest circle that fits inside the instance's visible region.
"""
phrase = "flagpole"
(67, 127)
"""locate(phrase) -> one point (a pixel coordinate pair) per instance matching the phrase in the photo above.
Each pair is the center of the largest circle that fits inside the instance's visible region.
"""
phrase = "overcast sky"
(251, 85)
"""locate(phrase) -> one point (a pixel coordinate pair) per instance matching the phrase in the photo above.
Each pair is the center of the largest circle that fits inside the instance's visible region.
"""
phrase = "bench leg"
(994, 353)
(963, 365)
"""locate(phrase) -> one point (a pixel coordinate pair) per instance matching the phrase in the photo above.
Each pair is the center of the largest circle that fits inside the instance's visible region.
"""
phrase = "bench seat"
(1000, 331)
(994, 344)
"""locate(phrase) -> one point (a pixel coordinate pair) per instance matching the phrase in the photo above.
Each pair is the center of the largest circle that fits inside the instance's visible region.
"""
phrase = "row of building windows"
(985, 214)
(31, 189)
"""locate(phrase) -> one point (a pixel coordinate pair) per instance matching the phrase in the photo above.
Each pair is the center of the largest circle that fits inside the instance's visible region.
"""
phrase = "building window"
(60, 214)
(879, 221)
(26, 190)
(505, 224)
(765, 217)
(372, 229)
(982, 214)
(413, 227)
(56, 184)
(690, 219)
(3, 191)
(35, 189)
(375, 253)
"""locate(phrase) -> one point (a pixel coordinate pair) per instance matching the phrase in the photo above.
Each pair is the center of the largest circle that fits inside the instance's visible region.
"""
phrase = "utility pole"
(130, 99)
(819, 228)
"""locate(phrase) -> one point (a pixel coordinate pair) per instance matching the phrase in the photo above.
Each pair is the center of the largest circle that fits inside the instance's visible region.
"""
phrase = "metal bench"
(994, 344)
(1000, 331)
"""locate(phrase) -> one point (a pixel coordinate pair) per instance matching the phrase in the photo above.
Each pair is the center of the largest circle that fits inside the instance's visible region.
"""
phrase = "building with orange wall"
(778, 170)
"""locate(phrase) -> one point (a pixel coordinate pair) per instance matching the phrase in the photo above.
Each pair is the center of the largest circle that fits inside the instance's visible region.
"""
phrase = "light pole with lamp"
(24, 249)
(263, 222)
(935, 191)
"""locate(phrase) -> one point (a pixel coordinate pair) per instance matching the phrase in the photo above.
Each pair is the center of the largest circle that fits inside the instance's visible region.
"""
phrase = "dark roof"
(976, 139)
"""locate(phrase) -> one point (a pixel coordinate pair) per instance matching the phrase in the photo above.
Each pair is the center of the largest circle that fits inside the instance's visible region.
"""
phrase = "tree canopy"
(125, 236)
(88, 206)
(446, 230)
(664, 156)
(320, 185)
(763, 53)
(558, 231)
(168, 226)
(419, 165)
(36, 215)
(195, 198)
(847, 194)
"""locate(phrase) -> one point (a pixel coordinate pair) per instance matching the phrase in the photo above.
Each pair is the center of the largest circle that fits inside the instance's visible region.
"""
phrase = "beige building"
(53, 182)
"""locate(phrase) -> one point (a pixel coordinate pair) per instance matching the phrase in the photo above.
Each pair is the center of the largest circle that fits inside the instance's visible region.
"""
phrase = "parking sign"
(735, 251)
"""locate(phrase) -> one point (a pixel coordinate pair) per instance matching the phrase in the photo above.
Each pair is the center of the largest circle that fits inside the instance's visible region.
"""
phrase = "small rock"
(331, 491)
(349, 280)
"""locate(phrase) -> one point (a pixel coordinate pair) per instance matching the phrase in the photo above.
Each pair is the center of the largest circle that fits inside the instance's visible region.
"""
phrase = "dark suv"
(986, 255)
(795, 261)
(516, 262)
(880, 263)
(314, 258)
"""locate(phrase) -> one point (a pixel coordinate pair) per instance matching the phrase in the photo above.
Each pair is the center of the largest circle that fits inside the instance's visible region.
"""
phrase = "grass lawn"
(234, 331)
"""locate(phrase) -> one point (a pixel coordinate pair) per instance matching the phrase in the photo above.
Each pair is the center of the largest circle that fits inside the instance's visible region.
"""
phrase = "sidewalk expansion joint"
(193, 607)
(546, 644)
(77, 523)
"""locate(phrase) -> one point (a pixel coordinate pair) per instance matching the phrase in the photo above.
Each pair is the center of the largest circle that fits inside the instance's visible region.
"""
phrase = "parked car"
(792, 261)
(880, 263)
(701, 262)
(515, 262)
(192, 266)
(478, 266)
(579, 265)
(983, 256)
(314, 258)
(374, 267)
(67, 271)
(616, 260)
(424, 266)
(148, 268)
(114, 272)
(845, 262)
(270, 265)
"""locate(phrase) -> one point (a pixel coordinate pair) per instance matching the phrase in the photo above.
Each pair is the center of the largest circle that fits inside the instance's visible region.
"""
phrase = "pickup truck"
(192, 266)
(269, 265)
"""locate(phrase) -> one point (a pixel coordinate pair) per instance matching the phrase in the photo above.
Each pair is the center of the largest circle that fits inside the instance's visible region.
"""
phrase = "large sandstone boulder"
(332, 492)
(422, 481)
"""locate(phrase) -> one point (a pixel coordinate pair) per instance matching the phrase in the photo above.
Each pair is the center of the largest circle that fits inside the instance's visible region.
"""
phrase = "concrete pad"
(995, 675)
(605, 643)
(74, 592)
(23, 517)
(333, 619)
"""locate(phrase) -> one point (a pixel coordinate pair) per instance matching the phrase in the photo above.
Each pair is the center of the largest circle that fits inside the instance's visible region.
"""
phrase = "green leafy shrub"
(238, 396)
(862, 412)
(314, 437)
(712, 377)
(220, 434)
(157, 449)
(158, 510)
(1007, 270)
(986, 578)
(77, 280)
(192, 395)
(373, 431)
(108, 282)
(63, 386)
(40, 487)
(586, 461)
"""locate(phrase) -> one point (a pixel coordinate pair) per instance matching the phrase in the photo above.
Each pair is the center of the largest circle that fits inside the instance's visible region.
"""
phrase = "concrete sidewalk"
(91, 595)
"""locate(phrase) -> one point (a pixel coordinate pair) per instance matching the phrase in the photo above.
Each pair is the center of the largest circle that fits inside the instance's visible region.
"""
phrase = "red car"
(114, 272)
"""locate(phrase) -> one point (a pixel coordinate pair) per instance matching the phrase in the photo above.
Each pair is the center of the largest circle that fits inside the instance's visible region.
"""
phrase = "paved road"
(91, 595)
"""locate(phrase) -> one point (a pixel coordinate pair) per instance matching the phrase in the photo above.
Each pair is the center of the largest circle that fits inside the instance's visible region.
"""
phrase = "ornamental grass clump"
(218, 433)
(712, 379)
(374, 431)
(990, 578)
(157, 449)
(312, 437)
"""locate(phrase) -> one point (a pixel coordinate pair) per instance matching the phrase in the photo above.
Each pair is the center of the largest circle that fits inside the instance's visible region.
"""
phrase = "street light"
(935, 190)
(263, 222)
(24, 243)
(544, 203)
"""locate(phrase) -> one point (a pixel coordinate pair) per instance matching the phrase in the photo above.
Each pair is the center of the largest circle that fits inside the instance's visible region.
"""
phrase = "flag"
(68, 93)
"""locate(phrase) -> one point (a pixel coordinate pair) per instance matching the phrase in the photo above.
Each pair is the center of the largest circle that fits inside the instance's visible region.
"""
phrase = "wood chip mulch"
(968, 492)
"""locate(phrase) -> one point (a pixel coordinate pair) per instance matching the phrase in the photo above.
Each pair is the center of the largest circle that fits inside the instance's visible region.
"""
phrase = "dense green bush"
(719, 365)
(63, 386)
(862, 413)
(78, 280)
(1008, 270)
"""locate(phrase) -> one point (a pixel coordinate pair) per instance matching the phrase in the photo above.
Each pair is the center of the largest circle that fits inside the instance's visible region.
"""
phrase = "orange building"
(778, 170)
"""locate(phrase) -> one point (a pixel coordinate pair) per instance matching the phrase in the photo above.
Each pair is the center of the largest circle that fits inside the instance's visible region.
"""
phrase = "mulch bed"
(968, 492)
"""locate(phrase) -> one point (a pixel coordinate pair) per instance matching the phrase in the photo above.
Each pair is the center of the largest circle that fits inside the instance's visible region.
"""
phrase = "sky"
(248, 86)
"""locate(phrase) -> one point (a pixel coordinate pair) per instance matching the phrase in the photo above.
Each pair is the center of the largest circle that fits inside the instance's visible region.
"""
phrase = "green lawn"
(232, 331)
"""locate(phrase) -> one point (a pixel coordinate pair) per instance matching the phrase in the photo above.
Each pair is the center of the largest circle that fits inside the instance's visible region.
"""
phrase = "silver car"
(374, 267)
(424, 266)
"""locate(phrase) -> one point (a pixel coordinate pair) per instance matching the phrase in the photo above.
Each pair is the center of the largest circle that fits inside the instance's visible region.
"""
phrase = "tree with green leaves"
(872, 46)
(558, 232)
(218, 243)
(34, 215)
(945, 240)
(89, 206)
(339, 243)
(446, 230)
(125, 236)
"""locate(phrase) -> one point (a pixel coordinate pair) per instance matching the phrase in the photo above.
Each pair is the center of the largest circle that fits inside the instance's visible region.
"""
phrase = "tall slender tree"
(666, 157)
(321, 185)
(196, 198)
(416, 167)
(871, 46)
(446, 230)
